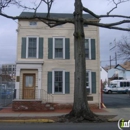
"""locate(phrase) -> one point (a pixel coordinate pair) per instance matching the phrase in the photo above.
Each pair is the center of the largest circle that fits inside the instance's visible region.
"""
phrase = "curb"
(28, 121)
(112, 120)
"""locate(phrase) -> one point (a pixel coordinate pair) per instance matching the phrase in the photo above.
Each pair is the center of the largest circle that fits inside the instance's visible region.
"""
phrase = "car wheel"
(109, 92)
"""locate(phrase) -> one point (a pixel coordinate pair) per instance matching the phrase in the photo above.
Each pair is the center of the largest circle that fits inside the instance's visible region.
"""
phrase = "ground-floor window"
(58, 82)
(88, 81)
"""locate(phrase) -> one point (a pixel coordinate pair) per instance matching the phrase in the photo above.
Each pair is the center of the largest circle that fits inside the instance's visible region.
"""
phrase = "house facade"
(45, 64)
(103, 74)
(120, 71)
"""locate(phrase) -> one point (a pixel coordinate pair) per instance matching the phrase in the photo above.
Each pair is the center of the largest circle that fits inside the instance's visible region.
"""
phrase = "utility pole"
(115, 58)
(110, 61)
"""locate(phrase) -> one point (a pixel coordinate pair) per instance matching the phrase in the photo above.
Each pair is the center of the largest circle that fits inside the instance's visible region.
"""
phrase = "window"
(58, 48)
(128, 84)
(90, 49)
(125, 84)
(121, 84)
(33, 23)
(32, 47)
(85, 25)
(87, 49)
(58, 82)
(88, 81)
(29, 81)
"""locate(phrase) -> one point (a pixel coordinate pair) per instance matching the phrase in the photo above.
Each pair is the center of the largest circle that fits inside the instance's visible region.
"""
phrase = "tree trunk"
(80, 109)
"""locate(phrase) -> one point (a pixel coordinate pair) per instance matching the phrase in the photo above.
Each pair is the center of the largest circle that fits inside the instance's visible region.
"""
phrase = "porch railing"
(36, 94)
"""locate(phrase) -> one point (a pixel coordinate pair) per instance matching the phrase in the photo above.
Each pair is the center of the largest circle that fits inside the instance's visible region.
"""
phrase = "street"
(116, 100)
(59, 126)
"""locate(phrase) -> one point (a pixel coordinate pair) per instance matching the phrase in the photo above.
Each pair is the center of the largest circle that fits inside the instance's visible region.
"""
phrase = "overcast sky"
(8, 35)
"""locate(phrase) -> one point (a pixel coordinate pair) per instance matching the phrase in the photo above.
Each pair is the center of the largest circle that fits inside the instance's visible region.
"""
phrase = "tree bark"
(80, 108)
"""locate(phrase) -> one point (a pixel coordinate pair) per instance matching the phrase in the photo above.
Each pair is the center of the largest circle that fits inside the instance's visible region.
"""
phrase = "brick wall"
(39, 106)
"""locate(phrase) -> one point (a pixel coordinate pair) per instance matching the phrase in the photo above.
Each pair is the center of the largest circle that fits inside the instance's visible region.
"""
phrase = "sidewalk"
(7, 113)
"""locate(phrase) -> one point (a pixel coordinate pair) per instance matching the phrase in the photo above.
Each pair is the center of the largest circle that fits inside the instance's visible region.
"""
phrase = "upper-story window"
(58, 47)
(87, 49)
(33, 23)
(90, 49)
(32, 47)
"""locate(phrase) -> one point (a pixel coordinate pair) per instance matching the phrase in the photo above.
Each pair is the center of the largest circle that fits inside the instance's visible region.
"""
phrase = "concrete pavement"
(119, 113)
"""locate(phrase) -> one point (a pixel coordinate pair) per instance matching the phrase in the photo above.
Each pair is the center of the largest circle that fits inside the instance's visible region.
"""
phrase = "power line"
(109, 60)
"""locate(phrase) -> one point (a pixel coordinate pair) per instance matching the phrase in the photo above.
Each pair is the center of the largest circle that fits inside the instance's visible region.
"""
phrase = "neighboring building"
(121, 71)
(45, 63)
(8, 70)
(104, 75)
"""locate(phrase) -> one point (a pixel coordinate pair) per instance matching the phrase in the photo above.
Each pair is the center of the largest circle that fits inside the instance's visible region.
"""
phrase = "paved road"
(59, 126)
(116, 100)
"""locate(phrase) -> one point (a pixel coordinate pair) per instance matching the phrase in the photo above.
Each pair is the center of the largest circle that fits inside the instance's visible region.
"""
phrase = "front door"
(29, 86)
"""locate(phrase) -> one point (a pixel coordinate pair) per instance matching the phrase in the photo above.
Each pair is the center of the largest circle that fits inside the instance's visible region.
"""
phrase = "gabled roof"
(104, 69)
(119, 65)
(53, 15)
(125, 66)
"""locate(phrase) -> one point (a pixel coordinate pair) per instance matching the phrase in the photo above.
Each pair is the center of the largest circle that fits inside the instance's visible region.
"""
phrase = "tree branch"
(90, 12)
(103, 16)
(116, 5)
(109, 26)
(54, 24)
(49, 5)
(67, 20)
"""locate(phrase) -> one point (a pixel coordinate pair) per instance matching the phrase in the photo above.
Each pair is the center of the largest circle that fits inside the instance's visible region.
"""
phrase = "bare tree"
(123, 48)
(81, 110)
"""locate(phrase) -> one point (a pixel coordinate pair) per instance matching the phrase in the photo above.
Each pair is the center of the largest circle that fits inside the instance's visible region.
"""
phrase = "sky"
(8, 34)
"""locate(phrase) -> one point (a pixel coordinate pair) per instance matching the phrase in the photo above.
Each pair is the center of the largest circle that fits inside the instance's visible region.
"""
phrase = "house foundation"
(41, 107)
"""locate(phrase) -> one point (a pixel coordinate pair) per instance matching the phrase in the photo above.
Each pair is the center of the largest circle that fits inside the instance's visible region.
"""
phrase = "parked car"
(114, 88)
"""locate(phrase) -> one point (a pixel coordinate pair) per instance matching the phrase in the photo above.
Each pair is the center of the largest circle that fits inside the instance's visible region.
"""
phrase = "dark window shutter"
(93, 49)
(40, 48)
(50, 48)
(93, 78)
(23, 48)
(67, 48)
(67, 82)
(49, 82)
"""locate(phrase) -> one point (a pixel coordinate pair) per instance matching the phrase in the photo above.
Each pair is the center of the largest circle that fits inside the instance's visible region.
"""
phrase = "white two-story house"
(45, 63)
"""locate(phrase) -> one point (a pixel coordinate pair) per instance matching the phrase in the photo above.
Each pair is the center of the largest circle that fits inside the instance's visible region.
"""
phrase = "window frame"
(37, 46)
(33, 25)
(89, 44)
(53, 80)
(90, 80)
(54, 47)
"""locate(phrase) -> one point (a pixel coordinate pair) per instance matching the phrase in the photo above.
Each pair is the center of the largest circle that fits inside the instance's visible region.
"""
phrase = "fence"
(7, 85)
(6, 94)
(39, 94)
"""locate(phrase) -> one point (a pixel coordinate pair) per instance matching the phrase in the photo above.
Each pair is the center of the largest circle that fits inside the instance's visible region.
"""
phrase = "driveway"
(116, 100)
